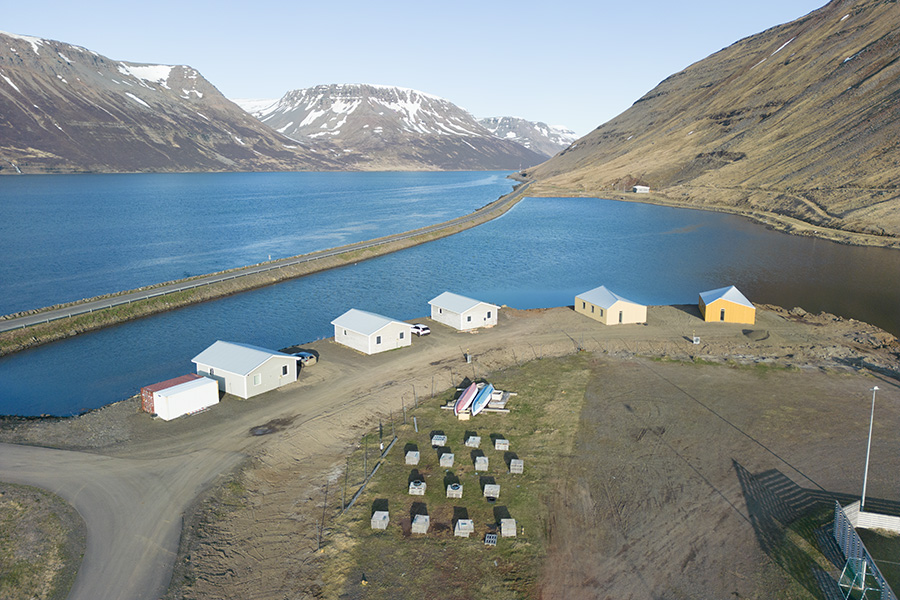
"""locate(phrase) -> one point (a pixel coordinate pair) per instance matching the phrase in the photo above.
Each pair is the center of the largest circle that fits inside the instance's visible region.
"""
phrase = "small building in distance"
(727, 305)
(641, 189)
(460, 312)
(609, 308)
(179, 396)
(244, 370)
(370, 333)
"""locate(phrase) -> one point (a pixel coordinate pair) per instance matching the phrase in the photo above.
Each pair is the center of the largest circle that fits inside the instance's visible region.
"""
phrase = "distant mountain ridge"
(801, 121)
(540, 137)
(375, 127)
(64, 108)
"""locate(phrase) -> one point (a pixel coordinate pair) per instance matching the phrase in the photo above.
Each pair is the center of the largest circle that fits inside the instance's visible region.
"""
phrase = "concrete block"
(380, 519)
(421, 523)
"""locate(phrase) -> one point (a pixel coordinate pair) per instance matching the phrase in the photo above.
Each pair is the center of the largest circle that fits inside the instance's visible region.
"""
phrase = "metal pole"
(862, 503)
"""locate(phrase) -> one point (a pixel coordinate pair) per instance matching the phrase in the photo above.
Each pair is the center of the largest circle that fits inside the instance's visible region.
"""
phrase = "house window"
(620, 316)
(212, 371)
(489, 315)
(345, 332)
(378, 339)
(257, 378)
(284, 369)
(469, 319)
(401, 335)
(601, 312)
(440, 311)
(592, 308)
(722, 315)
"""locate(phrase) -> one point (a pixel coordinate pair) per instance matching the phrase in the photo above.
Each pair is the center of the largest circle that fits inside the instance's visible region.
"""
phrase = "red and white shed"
(179, 396)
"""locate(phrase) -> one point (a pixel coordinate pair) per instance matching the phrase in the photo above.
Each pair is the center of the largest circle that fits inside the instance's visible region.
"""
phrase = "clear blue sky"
(576, 63)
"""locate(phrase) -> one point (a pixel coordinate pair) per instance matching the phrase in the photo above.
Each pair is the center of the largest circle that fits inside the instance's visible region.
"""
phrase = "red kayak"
(465, 400)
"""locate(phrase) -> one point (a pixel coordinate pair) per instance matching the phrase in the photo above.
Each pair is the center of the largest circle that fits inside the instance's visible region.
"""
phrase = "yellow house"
(609, 308)
(726, 305)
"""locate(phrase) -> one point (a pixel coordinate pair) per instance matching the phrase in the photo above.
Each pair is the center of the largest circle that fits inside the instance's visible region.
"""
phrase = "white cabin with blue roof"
(244, 370)
(370, 333)
(460, 312)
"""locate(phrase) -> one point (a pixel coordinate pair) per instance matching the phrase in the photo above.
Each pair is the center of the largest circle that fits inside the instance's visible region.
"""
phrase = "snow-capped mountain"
(64, 108)
(380, 127)
(540, 137)
(254, 105)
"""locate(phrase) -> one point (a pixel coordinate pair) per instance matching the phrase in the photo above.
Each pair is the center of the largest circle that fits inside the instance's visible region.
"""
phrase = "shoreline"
(156, 299)
(316, 419)
(774, 221)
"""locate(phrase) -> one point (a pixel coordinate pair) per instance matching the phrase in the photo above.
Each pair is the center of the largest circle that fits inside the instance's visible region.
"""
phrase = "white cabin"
(370, 333)
(244, 370)
(460, 312)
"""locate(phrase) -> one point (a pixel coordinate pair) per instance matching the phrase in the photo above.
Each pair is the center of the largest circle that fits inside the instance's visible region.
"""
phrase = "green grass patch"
(42, 541)
(884, 546)
(395, 563)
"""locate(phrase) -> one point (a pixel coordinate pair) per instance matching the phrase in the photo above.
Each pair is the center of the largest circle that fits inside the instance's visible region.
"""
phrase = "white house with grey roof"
(371, 333)
(609, 308)
(460, 312)
(244, 370)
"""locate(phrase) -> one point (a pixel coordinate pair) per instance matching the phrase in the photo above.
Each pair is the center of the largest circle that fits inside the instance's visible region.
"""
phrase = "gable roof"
(729, 293)
(456, 303)
(364, 322)
(602, 297)
(236, 358)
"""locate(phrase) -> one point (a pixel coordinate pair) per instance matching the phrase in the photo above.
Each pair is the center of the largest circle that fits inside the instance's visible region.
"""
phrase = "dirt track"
(261, 544)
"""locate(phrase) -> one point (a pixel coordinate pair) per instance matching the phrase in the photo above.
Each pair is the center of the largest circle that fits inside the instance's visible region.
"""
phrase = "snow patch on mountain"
(150, 73)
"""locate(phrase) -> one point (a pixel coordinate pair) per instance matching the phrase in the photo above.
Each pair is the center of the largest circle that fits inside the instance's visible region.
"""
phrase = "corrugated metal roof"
(175, 381)
(729, 293)
(235, 357)
(602, 297)
(364, 322)
(456, 303)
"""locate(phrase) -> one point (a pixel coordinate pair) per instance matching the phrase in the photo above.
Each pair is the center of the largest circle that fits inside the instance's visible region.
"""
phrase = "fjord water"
(68, 237)
(541, 253)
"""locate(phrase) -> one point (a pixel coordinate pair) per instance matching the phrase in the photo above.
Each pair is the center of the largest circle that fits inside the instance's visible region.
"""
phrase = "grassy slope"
(778, 122)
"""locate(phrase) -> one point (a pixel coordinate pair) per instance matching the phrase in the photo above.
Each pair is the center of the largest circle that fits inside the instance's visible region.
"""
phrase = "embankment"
(67, 320)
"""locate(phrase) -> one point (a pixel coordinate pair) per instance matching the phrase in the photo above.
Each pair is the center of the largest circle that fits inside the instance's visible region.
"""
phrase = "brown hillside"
(65, 109)
(800, 120)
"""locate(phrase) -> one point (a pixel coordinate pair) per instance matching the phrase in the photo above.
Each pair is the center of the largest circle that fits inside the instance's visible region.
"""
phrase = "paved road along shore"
(487, 213)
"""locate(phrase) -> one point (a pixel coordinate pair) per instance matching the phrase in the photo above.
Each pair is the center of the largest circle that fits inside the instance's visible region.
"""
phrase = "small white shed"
(609, 308)
(180, 396)
(463, 313)
(244, 370)
(370, 333)
(641, 189)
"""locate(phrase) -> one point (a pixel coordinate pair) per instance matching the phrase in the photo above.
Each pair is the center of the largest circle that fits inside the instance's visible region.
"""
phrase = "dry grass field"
(644, 479)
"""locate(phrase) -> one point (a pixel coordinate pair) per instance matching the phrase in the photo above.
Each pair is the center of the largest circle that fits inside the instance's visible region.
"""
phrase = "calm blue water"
(539, 254)
(67, 237)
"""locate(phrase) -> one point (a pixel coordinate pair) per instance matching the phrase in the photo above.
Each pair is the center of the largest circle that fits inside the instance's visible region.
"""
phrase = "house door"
(620, 316)
(722, 315)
